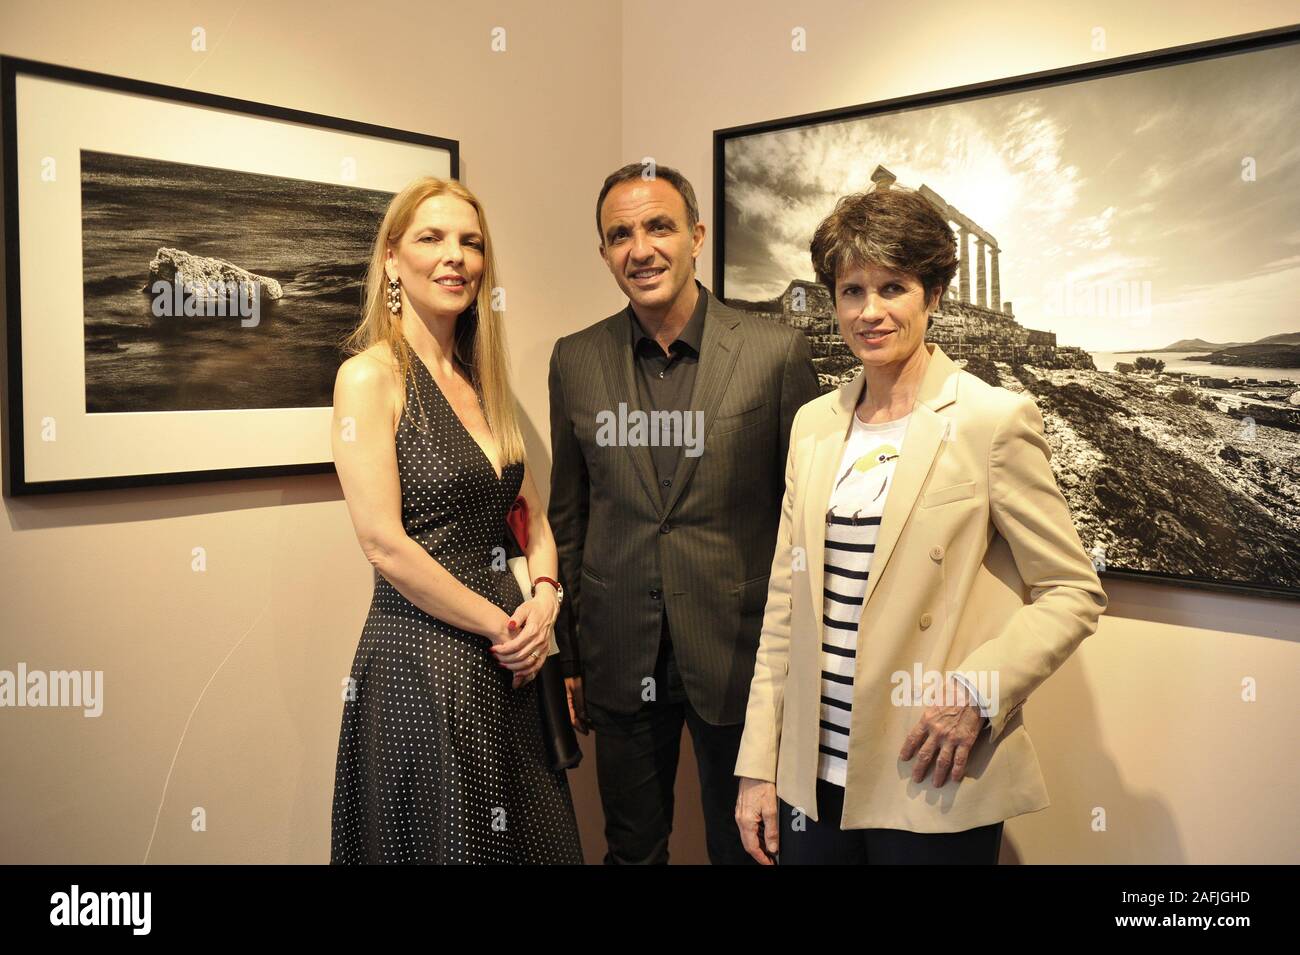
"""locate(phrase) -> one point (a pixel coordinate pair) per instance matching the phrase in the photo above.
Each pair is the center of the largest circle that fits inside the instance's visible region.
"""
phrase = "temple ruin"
(964, 326)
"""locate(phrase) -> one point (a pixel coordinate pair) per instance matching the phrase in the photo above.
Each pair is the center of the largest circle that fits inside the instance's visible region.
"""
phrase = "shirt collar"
(691, 335)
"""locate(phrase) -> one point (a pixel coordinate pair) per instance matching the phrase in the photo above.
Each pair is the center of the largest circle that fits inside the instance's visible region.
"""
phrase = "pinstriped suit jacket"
(704, 553)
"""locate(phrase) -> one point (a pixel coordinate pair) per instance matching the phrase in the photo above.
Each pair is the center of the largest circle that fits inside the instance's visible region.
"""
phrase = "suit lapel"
(925, 435)
(719, 349)
(621, 386)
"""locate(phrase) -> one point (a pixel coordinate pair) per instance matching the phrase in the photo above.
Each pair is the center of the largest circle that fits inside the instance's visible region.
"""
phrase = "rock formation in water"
(206, 276)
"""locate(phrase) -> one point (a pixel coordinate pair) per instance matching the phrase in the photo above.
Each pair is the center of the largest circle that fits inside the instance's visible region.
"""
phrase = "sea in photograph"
(1177, 361)
(314, 238)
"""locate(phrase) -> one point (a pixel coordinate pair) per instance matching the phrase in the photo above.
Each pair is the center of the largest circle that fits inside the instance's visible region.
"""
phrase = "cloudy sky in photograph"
(1089, 187)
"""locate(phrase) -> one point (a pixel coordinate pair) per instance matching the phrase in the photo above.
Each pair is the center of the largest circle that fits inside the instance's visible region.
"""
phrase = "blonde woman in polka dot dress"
(441, 756)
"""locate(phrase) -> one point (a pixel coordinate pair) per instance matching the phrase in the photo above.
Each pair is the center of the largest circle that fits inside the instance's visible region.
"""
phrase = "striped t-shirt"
(862, 483)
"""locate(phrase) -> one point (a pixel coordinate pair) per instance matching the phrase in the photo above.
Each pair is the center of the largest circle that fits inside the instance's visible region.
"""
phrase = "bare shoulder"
(369, 376)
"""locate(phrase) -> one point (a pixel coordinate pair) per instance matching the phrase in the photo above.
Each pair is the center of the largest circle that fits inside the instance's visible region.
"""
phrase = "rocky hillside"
(1161, 479)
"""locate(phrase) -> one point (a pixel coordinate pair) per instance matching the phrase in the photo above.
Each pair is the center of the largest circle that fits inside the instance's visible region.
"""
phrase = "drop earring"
(394, 296)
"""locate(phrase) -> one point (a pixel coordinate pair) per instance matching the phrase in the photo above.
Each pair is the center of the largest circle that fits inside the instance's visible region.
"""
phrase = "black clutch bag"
(557, 730)
(552, 697)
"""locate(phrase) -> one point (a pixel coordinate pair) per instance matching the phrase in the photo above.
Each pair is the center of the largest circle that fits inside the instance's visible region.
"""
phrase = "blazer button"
(665, 528)
(925, 621)
(937, 552)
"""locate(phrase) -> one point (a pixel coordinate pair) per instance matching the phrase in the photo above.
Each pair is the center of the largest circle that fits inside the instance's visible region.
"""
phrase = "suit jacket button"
(665, 528)
(925, 621)
(937, 552)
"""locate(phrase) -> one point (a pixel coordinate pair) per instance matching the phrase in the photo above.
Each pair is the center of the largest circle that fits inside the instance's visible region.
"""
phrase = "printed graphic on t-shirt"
(854, 513)
(869, 476)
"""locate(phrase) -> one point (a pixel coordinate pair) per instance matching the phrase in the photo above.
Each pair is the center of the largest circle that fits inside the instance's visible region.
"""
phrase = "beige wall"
(224, 686)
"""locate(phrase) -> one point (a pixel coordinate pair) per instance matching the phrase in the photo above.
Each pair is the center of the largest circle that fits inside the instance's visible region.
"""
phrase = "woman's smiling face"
(439, 258)
(882, 313)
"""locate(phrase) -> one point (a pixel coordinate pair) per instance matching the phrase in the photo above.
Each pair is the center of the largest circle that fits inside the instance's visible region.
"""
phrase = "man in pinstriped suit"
(669, 427)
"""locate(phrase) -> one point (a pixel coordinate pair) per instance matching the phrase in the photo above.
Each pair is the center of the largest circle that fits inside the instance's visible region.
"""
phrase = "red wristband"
(546, 580)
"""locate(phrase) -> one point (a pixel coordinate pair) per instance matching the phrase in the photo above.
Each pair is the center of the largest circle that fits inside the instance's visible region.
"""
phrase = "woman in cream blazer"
(978, 587)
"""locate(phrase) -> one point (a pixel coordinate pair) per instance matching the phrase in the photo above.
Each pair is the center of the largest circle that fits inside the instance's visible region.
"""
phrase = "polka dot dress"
(439, 759)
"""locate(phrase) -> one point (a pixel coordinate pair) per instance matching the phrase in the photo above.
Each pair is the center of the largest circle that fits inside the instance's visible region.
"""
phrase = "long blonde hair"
(480, 345)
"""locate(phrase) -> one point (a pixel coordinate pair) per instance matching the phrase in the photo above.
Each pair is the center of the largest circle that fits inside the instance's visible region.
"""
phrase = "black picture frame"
(1154, 60)
(16, 481)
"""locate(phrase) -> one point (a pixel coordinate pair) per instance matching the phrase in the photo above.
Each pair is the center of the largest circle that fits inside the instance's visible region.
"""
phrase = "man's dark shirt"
(666, 382)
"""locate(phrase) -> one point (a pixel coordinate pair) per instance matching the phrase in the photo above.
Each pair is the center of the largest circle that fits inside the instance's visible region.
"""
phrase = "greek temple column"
(997, 285)
(963, 264)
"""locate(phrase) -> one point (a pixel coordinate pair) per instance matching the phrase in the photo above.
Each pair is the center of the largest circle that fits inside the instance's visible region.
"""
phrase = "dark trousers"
(636, 769)
(825, 843)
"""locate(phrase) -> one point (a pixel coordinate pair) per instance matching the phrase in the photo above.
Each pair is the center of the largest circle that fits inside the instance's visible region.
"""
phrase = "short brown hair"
(636, 170)
(896, 228)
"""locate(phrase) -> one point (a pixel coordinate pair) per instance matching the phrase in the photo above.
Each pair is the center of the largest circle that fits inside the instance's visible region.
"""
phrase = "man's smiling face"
(646, 242)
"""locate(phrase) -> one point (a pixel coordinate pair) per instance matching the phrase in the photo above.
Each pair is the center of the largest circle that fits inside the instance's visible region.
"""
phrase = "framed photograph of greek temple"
(1129, 237)
(181, 270)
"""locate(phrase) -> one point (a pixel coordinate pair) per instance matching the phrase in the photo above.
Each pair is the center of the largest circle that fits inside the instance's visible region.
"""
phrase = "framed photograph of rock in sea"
(1130, 240)
(181, 269)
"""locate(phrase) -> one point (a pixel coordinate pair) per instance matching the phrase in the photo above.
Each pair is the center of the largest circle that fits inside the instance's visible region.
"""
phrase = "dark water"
(312, 237)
